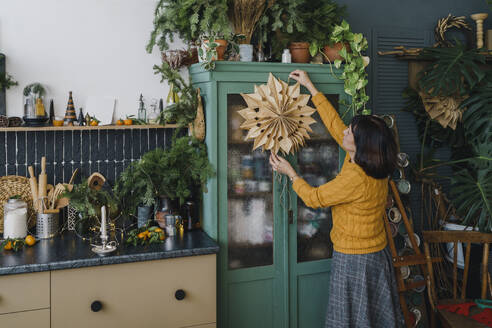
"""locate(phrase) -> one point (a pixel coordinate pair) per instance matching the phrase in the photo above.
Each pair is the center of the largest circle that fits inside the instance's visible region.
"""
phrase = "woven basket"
(12, 185)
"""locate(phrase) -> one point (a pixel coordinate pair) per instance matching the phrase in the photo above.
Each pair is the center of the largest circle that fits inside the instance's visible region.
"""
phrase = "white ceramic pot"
(450, 247)
(246, 52)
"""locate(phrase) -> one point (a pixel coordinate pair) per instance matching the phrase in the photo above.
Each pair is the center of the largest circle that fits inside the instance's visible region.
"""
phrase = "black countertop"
(68, 251)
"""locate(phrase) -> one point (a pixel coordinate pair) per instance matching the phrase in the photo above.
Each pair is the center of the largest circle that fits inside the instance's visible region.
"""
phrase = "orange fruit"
(142, 235)
(128, 121)
(94, 123)
(158, 230)
(120, 122)
(8, 246)
(30, 240)
(161, 237)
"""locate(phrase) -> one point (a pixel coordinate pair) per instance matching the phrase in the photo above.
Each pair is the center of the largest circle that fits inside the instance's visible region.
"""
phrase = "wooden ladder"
(407, 260)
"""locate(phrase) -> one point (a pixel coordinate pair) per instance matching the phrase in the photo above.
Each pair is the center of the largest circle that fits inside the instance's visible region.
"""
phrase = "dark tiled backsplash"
(105, 151)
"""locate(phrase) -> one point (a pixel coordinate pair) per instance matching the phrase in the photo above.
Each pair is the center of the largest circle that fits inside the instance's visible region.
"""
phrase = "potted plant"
(321, 17)
(354, 73)
(244, 16)
(190, 20)
(164, 173)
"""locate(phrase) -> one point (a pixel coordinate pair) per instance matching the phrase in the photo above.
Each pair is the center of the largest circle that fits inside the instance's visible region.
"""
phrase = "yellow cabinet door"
(23, 292)
(25, 319)
(141, 294)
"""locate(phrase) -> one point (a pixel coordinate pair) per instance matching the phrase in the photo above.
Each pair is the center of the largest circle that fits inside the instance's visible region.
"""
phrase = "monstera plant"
(457, 72)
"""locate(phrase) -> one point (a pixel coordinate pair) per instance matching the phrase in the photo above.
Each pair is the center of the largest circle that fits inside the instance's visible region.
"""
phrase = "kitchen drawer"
(38, 319)
(141, 294)
(22, 292)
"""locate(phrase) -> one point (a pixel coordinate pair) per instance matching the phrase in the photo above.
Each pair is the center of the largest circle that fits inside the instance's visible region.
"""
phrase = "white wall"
(90, 47)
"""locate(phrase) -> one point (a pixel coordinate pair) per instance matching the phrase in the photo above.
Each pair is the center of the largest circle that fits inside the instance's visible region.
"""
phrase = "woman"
(363, 290)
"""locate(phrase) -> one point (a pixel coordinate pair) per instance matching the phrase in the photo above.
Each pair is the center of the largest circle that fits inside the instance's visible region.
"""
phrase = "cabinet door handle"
(180, 294)
(96, 306)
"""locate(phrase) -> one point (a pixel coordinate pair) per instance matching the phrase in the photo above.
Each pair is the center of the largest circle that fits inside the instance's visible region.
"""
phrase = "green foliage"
(134, 187)
(321, 16)
(175, 171)
(7, 81)
(34, 88)
(472, 194)
(477, 118)
(15, 243)
(172, 172)
(190, 19)
(182, 112)
(208, 52)
(354, 72)
(145, 235)
(88, 202)
(455, 70)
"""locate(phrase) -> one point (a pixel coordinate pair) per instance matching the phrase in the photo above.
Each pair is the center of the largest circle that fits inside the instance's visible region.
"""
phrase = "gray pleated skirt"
(363, 292)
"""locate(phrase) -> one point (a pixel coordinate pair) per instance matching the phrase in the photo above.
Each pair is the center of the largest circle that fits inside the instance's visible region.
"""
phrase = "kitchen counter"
(68, 251)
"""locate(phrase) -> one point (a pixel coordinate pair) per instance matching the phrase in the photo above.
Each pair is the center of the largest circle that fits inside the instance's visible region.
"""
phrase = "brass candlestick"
(479, 18)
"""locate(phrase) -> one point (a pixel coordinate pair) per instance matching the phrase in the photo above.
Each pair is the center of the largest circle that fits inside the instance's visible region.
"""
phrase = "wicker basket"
(15, 185)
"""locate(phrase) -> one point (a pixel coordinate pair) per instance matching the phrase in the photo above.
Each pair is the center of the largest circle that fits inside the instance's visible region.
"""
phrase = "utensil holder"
(47, 225)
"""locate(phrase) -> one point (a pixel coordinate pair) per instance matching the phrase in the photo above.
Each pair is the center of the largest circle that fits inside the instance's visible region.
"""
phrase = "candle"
(103, 221)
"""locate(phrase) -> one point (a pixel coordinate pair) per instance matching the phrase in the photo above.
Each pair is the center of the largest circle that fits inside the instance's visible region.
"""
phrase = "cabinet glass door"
(253, 292)
(310, 247)
(250, 203)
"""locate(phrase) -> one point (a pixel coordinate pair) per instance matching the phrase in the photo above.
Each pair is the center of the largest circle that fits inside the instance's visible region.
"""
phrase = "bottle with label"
(286, 57)
(142, 112)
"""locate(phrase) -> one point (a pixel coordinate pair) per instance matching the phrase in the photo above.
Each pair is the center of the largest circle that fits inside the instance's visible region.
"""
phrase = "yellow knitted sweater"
(357, 200)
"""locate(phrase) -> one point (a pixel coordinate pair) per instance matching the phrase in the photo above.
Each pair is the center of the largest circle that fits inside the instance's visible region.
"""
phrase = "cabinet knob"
(96, 306)
(180, 294)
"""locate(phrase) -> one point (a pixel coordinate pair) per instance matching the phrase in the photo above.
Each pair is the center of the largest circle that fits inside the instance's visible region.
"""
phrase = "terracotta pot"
(221, 48)
(300, 52)
(332, 51)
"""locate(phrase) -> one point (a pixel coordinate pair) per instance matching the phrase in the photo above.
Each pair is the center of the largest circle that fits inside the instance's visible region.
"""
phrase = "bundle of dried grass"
(245, 14)
(445, 110)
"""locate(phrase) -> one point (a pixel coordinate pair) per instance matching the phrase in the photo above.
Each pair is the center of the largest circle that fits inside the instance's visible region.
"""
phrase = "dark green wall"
(388, 23)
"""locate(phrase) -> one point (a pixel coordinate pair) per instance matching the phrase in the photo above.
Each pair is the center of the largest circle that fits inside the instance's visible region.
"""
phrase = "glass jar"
(153, 114)
(15, 219)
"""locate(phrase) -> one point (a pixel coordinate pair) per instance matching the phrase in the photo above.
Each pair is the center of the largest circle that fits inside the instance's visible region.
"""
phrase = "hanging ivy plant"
(354, 73)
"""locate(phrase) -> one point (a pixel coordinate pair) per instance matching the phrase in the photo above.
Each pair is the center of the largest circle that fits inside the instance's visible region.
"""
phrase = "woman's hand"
(303, 78)
(281, 165)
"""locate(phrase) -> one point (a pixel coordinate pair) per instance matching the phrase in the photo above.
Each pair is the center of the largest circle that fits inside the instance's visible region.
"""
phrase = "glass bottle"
(142, 112)
(286, 57)
(153, 115)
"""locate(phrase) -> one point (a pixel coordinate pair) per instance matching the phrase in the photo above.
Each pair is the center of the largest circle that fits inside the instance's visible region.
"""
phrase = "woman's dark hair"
(375, 146)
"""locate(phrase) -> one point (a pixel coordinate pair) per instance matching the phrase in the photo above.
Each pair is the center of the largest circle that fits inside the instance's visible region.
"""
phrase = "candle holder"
(479, 18)
(105, 247)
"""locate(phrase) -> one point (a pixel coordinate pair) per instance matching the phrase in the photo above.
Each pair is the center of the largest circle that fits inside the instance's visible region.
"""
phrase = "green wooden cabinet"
(274, 262)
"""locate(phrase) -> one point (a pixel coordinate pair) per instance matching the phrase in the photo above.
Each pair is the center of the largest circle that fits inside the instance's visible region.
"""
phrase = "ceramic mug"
(394, 215)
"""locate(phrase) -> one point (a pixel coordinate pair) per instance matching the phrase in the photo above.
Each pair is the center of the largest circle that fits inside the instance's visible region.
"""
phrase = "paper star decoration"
(277, 116)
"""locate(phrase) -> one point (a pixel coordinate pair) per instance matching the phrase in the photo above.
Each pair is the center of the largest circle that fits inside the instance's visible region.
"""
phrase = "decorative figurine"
(70, 115)
(81, 119)
(479, 18)
(52, 112)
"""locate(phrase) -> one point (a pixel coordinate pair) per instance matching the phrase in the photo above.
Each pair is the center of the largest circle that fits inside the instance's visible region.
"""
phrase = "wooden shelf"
(97, 127)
